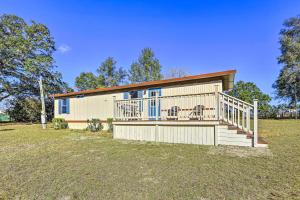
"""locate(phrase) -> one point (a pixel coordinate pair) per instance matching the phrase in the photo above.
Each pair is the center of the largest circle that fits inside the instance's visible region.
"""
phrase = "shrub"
(110, 125)
(59, 123)
(94, 125)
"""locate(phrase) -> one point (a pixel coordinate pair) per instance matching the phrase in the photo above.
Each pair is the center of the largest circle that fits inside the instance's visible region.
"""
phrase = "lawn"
(69, 164)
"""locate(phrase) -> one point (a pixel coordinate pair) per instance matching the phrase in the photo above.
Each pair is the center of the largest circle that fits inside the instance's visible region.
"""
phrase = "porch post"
(156, 105)
(255, 136)
(217, 102)
(114, 107)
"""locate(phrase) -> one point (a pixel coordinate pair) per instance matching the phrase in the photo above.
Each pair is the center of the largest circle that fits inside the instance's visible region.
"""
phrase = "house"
(191, 109)
(288, 113)
(4, 117)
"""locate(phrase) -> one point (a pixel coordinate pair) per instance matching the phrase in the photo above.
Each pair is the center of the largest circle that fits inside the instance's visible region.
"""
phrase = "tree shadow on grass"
(7, 129)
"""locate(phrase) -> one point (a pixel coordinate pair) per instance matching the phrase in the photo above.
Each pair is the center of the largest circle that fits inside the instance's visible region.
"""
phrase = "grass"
(69, 164)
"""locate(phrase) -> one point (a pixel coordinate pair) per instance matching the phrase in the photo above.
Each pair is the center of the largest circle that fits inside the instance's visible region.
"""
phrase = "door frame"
(151, 108)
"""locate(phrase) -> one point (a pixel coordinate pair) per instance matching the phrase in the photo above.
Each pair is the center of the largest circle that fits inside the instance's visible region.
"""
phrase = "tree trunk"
(296, 100)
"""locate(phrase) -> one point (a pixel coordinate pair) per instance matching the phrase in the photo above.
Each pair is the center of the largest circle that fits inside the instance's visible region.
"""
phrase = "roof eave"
(226, 76)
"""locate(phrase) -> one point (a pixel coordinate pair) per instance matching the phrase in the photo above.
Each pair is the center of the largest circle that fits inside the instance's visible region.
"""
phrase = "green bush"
(59, 123)
(110, 125)
(94, 125)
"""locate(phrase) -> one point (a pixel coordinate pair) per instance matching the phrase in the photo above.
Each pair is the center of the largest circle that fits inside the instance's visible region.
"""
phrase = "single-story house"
(191, 109)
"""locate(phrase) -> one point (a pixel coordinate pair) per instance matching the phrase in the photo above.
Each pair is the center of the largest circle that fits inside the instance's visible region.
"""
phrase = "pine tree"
(147, 68)
(109, 74)
(287, 84)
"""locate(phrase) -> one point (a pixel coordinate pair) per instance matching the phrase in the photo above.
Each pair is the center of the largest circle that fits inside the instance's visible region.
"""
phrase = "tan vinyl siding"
(195, 88)
(83, 108)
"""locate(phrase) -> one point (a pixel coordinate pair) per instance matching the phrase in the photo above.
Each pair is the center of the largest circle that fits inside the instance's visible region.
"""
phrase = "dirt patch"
(81, 137)
(242, 152)
(18, 148)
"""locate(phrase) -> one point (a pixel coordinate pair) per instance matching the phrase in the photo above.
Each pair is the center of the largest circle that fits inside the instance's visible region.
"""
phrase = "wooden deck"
(230, 120)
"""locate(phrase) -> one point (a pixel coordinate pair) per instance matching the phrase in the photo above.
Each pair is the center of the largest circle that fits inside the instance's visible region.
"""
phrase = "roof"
(226, 76)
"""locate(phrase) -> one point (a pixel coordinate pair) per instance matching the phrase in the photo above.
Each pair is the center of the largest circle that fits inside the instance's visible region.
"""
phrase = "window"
(64, 106)
(125, 95)
(80, 96)
(133, 94)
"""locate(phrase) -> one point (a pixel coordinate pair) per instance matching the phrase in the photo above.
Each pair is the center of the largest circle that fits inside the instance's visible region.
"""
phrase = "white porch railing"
(238, 113)
(180, 107)
(204, 106)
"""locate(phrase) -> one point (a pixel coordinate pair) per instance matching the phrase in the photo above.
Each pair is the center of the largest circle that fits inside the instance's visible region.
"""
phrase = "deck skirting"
(167, 131)
(184, 132)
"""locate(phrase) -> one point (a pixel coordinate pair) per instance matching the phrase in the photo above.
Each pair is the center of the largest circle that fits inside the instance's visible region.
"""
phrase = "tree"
(28, 109)
(147, 68)
(25, 56)
(247, 91)
(136, 73)
(87, 80)
(176, 73)
(24, 109)
(287, 85)
(109, 75)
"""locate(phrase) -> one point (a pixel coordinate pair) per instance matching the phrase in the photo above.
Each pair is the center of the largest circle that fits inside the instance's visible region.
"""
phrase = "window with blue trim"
(133, 94)
(125, 95)
(64, 106)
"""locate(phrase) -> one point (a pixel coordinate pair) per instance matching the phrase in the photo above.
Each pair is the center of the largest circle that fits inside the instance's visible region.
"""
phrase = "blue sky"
(197, 36)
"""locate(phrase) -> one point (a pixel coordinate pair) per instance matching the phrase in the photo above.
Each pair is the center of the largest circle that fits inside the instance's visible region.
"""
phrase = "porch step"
(236, 143)
(228, 131)
(232, 135)
(235, 139)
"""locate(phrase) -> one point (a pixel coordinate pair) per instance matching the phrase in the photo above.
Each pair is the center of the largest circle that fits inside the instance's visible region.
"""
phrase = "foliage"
(24, 109)
(176, 73)
(287, 84)
(25, 56)
(28, 109)
(109, 74)
(59, 123)
(276, 111)
(94, 125)
(247, 91)
(269, 113)
(147, 68)
(87, 80)
(110, 124)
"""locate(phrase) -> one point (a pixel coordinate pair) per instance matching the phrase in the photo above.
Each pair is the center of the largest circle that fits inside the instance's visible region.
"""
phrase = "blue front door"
(152, 104)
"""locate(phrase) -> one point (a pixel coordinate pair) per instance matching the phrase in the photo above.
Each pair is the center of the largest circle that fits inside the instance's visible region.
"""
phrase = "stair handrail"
(234, 112)
(249, 104)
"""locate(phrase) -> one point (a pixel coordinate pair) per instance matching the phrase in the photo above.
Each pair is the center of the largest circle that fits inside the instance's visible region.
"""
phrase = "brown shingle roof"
(222, 74)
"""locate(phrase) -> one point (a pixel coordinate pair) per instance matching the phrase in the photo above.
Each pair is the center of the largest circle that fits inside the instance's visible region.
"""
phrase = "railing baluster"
(238, 110)
(223, 99)
(233, 113)
(248, 118)
(228, 109)
(243, 116)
